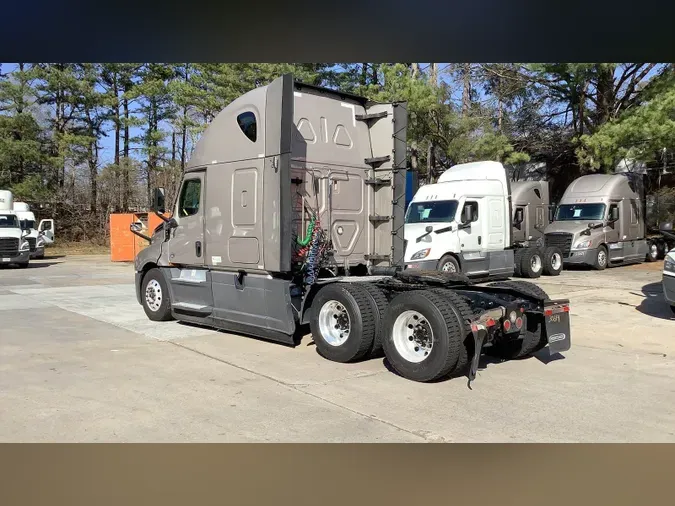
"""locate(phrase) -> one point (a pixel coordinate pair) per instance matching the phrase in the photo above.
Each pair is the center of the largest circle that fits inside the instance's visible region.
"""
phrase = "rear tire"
(23, 265)
(553, 261)
(663, 250)
(343, 322)
(601, 259)
(531, 263)
(672, 308)
(432, 349)
(379, 305)
(449, 264)
(517, 260)
(532, 339)
(467, 348)
(155, 296)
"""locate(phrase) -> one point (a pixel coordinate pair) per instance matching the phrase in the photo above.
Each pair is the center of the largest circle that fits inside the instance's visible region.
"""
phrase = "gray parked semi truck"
(291, 213)
(600, 222)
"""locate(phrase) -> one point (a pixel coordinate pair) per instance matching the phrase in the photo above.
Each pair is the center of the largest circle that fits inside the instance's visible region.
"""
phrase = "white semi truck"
(476, 222)
(14, 248)
(38, 237)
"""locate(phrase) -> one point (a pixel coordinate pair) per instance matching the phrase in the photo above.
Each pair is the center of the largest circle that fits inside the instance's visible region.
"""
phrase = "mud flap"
(557, 326)
(479, 332)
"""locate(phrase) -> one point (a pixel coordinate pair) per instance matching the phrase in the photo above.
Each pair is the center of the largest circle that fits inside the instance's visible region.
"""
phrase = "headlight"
(669, 265)
(24, 246)
(421, 254)
(583, 244)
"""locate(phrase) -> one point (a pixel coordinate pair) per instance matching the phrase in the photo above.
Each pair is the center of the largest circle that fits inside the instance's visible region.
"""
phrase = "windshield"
(8, 221)
(580, 212)
(432, 211)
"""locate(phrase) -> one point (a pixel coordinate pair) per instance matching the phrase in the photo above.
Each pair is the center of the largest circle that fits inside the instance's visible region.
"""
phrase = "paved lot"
(79, 361)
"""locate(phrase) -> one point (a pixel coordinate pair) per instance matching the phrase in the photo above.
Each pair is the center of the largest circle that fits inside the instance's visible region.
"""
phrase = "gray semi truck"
(600, 222)
(290, 215)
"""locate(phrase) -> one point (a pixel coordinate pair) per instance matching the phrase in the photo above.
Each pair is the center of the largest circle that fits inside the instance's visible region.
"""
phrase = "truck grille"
(560, 240)
(31, 243)
(9, 246)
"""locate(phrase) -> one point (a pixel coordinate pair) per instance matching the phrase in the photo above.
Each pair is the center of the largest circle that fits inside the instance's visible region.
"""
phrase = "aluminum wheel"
(153, 295)
(556, 261)
(334, 323)
(448, 267)
(412, 336)
(602, 257)
(535, 263)
(653, 251)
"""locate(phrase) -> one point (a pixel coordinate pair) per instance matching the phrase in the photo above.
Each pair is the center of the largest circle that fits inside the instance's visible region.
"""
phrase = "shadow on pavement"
(654, 304)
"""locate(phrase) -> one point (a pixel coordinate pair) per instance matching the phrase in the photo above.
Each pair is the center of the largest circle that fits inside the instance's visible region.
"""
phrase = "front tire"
(343, 322)
(423, 334)
(155, 296)
(601, 259)
(449, 264)
(652, 252)
(23, 265)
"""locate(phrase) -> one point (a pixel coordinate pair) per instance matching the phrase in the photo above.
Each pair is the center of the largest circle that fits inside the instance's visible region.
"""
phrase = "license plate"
(557, 328)
(5, 259)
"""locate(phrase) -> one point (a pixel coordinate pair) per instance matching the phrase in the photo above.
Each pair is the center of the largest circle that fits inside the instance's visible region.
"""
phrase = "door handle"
(198, 249)
(480, 239)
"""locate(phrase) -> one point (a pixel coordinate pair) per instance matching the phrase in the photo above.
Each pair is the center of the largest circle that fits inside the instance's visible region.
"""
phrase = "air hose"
(308, 235)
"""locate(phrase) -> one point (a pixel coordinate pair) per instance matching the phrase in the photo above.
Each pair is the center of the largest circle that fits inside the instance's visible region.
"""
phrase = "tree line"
(90, 139)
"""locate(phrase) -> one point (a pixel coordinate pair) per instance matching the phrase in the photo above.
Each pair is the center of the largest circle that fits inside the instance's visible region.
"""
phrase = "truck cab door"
(47, 229)
(186, 245)
(471, 234)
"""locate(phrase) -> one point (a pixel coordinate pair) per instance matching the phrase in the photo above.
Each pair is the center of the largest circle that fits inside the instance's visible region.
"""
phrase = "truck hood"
(571, 227)
(414, 230)
(14, 233)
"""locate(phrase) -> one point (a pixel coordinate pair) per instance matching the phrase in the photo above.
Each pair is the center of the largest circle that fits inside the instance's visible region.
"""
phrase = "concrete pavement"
(79, 361)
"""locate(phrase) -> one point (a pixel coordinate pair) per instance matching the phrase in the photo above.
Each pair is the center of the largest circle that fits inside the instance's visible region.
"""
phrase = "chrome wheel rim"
(153, 295)
(535, 263)
(412, 336)
(448, 267)
(602, 258)
(556, 261)
(334, 323)
(653, 251)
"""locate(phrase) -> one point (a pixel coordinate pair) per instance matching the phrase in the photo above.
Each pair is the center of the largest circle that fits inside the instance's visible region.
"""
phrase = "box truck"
(290, 215)
(476, 222)
(14, 248)
(600, 222)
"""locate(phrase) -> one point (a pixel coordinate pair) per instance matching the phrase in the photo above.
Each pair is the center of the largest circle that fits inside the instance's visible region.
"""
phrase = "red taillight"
(548, 312)
(507, 325)
(558, 309)
(490, 322)
(566, 309)
(522, 309)
(519, 323)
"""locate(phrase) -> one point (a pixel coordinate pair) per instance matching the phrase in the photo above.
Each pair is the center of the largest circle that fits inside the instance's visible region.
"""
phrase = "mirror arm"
(162, 217)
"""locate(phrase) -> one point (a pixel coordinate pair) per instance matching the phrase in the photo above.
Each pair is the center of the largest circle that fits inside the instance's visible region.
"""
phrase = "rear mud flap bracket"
(479, 332)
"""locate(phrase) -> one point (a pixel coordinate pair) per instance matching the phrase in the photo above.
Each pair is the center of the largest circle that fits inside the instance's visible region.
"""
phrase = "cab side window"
(474, 208)
(190, 197)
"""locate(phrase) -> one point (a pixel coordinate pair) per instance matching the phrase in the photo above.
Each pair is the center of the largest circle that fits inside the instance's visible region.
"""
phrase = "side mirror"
(519, 216)
(614, 214)
(551, 214)
(158, 204)
(468, 215)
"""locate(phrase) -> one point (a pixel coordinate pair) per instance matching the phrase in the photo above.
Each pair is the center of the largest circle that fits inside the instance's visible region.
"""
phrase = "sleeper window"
(189, 197)
(247, 124)
(474, 208)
